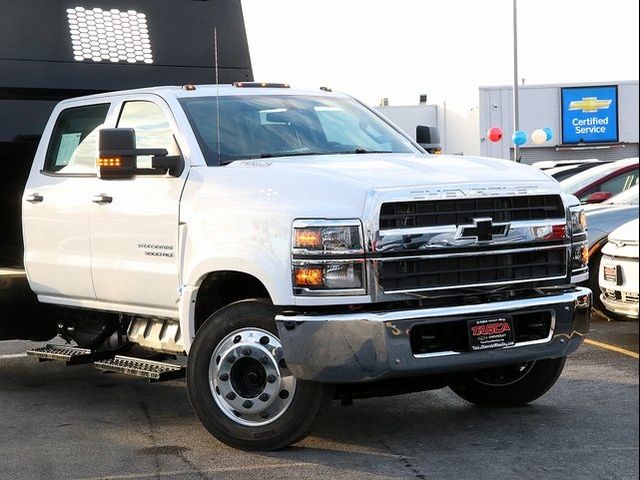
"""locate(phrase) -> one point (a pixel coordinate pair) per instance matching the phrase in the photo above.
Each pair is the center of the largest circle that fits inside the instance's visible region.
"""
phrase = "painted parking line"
(613, 348)
(178, 473)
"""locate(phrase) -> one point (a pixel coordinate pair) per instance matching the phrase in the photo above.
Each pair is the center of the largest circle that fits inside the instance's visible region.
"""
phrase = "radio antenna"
(217, 74)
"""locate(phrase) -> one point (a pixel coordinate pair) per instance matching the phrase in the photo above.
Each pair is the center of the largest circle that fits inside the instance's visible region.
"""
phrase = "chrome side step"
(154, 371)
(70, 355)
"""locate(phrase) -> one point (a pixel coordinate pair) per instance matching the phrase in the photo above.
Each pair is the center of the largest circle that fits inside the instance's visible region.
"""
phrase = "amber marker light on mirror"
(114, 162)
(308, 277)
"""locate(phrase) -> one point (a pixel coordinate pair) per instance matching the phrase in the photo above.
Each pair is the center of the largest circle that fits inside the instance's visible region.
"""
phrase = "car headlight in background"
(327, 237)
(323, 257)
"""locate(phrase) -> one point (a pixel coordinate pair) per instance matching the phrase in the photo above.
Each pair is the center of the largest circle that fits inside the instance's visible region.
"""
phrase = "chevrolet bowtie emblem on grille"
(589, 104)
(482, 230)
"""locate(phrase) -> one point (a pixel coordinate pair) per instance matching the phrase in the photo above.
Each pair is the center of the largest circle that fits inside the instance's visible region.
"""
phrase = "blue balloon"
(519, 137)
(549, 133)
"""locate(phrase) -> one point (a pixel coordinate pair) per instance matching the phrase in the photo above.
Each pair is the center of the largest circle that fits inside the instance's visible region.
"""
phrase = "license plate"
(490, 333)
(611, 274)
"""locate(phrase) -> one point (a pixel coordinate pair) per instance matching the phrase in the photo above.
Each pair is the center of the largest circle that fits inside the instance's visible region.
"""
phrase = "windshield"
(256, 126)
(628, 197)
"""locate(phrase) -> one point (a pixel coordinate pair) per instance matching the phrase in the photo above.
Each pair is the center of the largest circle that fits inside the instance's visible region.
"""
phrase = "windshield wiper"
(293, 154)
(364, 150)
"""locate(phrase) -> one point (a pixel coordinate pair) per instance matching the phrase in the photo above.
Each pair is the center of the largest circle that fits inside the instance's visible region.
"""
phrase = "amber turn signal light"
(114, 162)
(308, 238)
(308, 277)
(584, 251)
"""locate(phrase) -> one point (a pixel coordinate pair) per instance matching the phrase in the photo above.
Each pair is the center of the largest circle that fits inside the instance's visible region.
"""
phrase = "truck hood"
(376, 171)
(337, 186)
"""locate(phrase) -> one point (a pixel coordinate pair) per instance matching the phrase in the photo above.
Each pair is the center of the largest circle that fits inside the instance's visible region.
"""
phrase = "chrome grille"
(413, 214)
(439, 272)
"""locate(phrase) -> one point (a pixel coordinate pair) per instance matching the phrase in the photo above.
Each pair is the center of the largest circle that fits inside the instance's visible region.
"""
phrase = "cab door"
(134, 223)
(56, 204)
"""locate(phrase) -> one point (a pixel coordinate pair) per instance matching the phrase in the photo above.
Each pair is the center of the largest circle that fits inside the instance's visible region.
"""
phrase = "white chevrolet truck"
(298, 249)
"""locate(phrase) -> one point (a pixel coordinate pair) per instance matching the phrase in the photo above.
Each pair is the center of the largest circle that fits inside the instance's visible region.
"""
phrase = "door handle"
(34, 198)
(102, 199)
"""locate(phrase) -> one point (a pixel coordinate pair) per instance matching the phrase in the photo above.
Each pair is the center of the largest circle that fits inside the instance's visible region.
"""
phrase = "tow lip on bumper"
(371, 346)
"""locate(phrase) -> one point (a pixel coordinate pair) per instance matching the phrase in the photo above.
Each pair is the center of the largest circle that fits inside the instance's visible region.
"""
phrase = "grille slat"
(462, 211)
(418, 273)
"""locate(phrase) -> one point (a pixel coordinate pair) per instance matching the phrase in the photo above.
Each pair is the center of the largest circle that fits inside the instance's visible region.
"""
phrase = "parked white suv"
(619, 271)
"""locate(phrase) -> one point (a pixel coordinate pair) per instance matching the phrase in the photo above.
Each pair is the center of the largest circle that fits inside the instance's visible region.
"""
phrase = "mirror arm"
(156, 152)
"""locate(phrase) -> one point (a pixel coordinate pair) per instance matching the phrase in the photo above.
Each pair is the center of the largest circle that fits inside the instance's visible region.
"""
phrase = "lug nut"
(264, 360)
(247, 404)
(264, 397)
(271, 378)
(231, 359)
(246, 352)
(237, 338)
(264, 340)
(231, 396)
(224, 377)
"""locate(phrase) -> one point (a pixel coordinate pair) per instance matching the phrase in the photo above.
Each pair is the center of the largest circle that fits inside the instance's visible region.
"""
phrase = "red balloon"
(495, 134)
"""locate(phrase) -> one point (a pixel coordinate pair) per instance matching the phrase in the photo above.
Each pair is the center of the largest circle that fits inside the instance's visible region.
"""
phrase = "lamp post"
(516, 107)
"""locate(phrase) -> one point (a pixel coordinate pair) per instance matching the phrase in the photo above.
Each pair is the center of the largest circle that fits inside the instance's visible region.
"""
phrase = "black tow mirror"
(118, 156)
(428, 138)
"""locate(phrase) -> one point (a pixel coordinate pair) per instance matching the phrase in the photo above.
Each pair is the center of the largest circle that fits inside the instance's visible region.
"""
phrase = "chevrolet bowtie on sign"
(589, 115)
(590, 104)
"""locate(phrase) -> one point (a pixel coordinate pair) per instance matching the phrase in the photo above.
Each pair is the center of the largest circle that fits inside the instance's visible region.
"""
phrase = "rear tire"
(510, 386)
(240, 387)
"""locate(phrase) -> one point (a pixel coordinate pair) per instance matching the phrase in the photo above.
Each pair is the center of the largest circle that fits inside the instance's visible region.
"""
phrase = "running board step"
(70, 355)
(154, 371)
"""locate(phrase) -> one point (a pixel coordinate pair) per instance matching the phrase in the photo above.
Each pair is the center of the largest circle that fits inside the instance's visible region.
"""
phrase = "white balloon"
(538, 137)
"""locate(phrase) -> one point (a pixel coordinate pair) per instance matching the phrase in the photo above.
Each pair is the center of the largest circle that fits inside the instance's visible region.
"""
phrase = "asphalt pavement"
(60, 422)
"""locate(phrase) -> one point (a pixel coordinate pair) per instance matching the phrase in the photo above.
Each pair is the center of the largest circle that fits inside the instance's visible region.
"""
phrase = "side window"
(620, 183)
(73, 144)
(152, 128)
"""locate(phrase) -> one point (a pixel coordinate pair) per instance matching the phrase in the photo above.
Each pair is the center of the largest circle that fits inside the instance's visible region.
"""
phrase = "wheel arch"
(215, 290)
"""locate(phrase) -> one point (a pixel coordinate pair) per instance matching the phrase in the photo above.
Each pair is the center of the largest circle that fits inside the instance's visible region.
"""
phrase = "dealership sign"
(590, 114)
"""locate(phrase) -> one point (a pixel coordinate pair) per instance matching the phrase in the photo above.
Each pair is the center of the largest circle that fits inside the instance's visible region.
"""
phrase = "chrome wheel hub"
(249, 378)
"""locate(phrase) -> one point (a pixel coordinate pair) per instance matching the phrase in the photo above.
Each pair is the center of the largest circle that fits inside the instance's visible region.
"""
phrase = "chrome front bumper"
(369, 346)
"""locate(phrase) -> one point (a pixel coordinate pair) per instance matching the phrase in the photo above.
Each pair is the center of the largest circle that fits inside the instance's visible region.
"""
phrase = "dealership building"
(588, 120)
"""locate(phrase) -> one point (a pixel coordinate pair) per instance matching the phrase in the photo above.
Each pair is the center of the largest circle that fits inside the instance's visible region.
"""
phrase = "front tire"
(239, 384)
(510, 386)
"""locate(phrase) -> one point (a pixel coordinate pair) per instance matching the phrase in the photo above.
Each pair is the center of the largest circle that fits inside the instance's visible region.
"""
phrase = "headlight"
(327, 237)
(329, 276)
(323, 257)
(578, 222)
